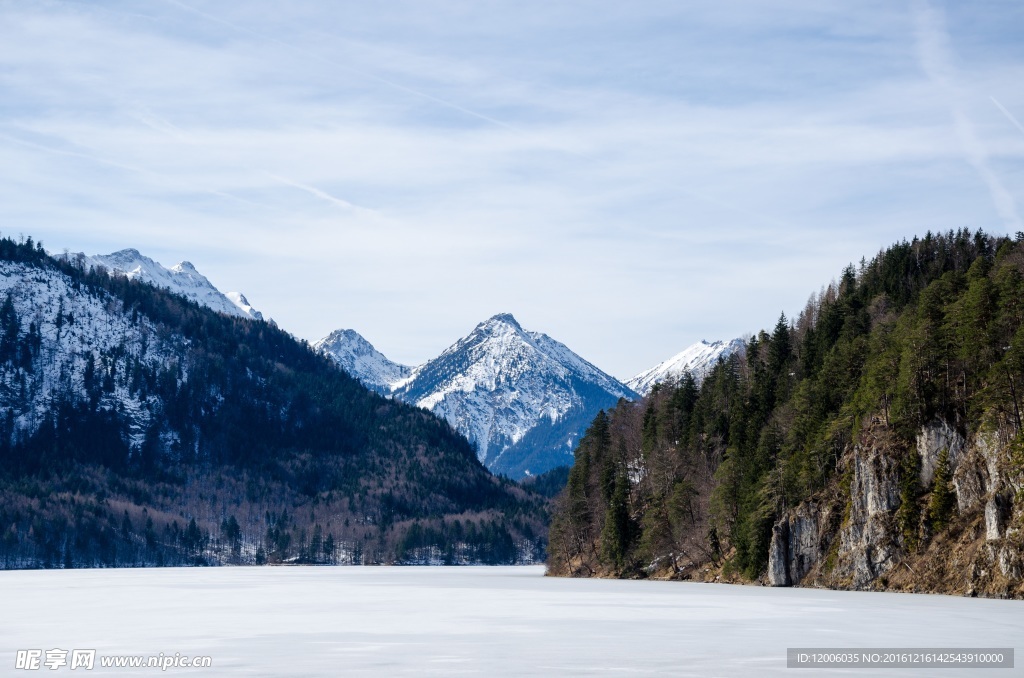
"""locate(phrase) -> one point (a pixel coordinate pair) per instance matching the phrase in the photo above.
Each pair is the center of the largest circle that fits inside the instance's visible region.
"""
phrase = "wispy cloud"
(338, 64)
(672, 173)
(936, 60)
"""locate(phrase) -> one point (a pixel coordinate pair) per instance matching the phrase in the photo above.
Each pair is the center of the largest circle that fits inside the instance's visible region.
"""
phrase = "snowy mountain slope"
(697, 359)
(501, 383)
(182, 278)
(68, 341)
(359, 358)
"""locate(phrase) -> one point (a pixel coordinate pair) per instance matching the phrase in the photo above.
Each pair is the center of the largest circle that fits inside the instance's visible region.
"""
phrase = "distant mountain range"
(522, 398)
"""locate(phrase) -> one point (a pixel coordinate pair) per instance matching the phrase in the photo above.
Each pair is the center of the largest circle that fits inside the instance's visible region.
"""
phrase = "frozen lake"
(276, 621)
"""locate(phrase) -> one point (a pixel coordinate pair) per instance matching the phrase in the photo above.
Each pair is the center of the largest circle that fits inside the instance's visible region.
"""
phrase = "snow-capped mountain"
(521, 397)
(697, 359)
(359, 358)
(181, 279)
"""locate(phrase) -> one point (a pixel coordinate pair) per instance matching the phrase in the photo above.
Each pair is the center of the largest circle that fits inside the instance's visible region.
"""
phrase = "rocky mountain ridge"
(182, 278)
(523, 412)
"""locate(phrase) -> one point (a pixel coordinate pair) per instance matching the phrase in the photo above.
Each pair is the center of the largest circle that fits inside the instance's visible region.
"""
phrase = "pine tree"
(940, 506)
(619, 530)
(908, 515)
(9, 330)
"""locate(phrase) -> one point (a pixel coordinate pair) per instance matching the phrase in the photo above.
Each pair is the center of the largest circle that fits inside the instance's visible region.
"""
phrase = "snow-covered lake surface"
(500, 621)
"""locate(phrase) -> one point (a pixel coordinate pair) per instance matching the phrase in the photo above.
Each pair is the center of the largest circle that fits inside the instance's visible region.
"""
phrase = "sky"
(629, 178)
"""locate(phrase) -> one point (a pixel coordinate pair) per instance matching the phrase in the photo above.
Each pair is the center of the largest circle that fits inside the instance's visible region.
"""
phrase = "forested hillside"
(873, 441)
(139, 428)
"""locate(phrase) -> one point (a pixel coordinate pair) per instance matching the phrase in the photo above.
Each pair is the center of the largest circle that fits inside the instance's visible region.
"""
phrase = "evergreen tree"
(943, 499)
(619, 530)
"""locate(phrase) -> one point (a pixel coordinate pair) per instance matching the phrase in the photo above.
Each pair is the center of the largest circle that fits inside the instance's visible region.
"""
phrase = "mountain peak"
(359, 358)
(127, 261)
(346, 337)
(504, 319)
(521, 397)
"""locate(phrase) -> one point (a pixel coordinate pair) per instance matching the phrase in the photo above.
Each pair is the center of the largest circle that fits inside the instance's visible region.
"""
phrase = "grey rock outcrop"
(799, 541)
(778, 555)
(869, 543)
(977, 475)
(982, 484)
(1010, 562)
(931, 441)
(997, 512)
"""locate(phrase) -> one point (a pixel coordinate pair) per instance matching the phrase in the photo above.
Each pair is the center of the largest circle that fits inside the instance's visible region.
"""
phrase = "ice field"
(498, 621)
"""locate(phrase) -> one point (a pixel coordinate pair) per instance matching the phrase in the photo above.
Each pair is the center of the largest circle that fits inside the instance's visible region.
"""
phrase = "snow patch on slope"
(76, 329)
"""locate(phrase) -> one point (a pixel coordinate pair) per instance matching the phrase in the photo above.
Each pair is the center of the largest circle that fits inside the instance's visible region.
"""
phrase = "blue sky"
(627, 177)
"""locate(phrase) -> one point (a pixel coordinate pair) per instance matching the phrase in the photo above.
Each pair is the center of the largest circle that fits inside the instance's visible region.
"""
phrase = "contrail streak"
(312, 190)
(935, 57)
(1008, 115)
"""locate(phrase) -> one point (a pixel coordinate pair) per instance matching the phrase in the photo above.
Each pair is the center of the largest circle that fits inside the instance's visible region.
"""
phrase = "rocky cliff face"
(874, 527)
(932, 441)
(868, 542)
(800, 542)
